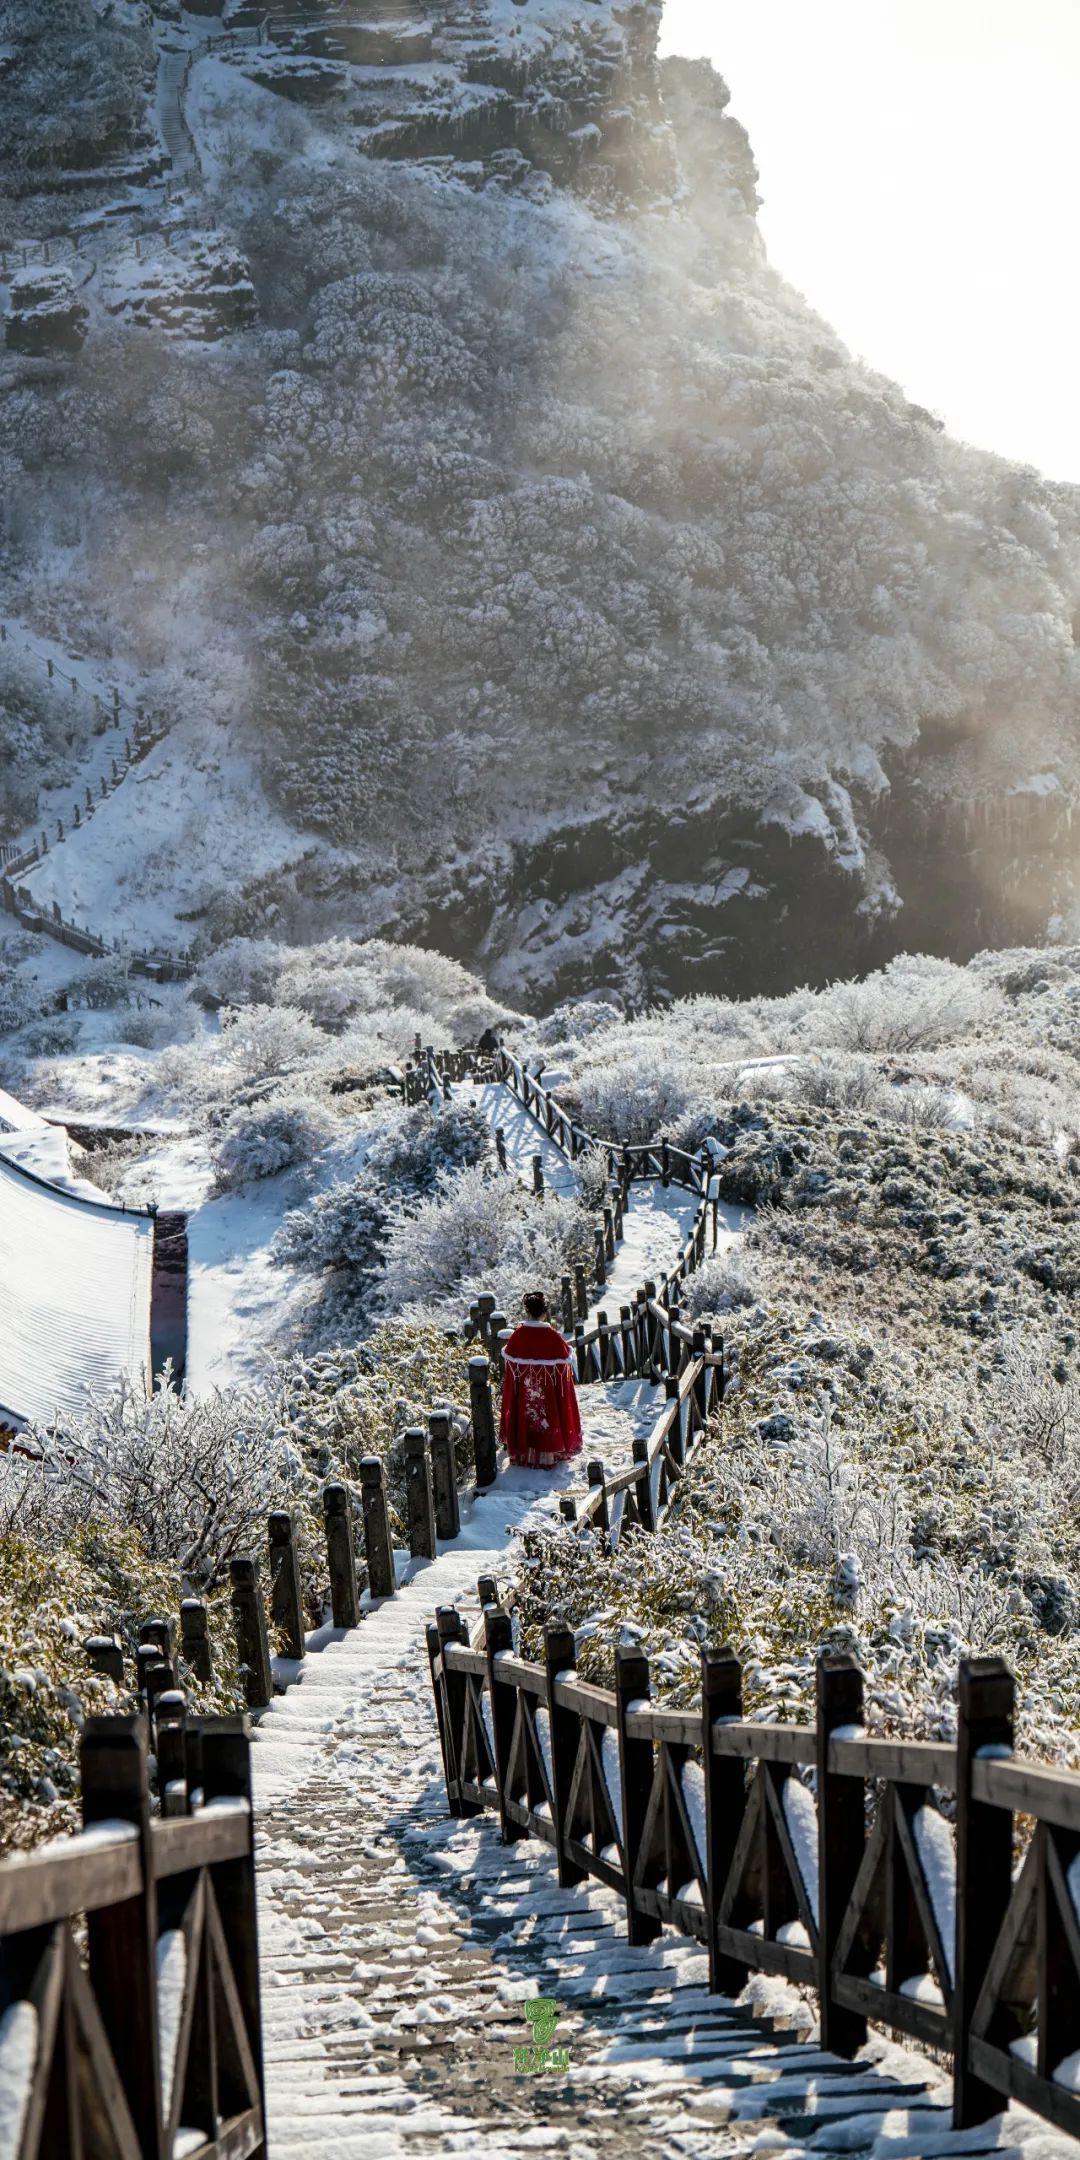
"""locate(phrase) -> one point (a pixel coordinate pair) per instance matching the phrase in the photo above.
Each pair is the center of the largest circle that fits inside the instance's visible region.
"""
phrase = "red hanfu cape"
(541, 1423)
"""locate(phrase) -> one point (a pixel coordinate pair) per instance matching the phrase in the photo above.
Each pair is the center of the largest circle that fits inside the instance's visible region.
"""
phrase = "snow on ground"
(614, 1416)
(190, 816)
(524, 1137)
(239, 1298)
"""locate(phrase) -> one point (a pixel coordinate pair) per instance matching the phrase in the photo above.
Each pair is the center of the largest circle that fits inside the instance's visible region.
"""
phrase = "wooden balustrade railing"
(350, 1522)
(130, 2022)
(877, 1872)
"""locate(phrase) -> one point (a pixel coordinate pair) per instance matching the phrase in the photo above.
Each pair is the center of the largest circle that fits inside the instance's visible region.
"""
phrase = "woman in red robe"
(541, 1423)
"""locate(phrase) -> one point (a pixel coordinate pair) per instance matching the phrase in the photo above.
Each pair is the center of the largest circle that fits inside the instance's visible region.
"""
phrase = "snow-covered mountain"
(525, 568)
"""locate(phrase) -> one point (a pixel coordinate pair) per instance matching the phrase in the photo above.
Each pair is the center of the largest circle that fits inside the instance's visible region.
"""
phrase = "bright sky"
(920, 175)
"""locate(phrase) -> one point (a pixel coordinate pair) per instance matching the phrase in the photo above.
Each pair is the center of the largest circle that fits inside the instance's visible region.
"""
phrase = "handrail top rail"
(102, 1865)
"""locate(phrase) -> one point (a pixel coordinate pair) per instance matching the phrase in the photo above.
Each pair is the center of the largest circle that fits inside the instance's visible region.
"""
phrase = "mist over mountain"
(523, 567)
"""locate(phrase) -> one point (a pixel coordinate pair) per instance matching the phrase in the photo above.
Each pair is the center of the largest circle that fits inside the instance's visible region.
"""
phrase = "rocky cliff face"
(587, 607)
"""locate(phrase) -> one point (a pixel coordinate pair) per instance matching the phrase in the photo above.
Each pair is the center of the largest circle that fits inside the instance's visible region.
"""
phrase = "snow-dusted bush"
(255, 1043)
(106, 982)
(418, 1145)
(574, 1022)
(245, 971)
(263, 1138)
(594, 1179)
(480, 1232)
(20, 1001)
(195, 1479)
(722, 1284)
(636, 1098)
(915, 1003)
(340, 1232)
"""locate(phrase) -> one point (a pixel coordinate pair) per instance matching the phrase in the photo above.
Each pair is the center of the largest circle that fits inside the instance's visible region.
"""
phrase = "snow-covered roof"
(75, 1282)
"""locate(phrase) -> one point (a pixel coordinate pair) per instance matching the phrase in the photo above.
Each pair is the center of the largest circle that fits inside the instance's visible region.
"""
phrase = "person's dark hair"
(535, 1304)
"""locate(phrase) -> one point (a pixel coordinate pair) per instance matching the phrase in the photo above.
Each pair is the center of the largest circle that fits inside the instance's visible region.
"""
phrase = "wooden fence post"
(104, 1655)
(725, 1804)
(146, 1654)
(603, 1346)
(486, 1304)
(159, 1632)
(841, 1813)
(560, 1656)
(500, 1147)
(665, 1162)
(122, 1939)
(581, 1355)
(502, 1332)
(226, 1770)
(671, 1395)
(581, 1291)
(599, 1256)
(596, 1477)
(643, 1489)
(502, 1701)
(452, 1629)
(626, 1336)
(431, 1637)
(636, 1778)
(378, 1539)
(566, 1288)
(444, 1474)
(340, 1556)
(538, 1175)
(609, 1233)
(483, 1421)
(160, 1680)
(286, 1609)
(195, 1638)
(249, 1621)
(984, 1835)
(171, 1744)
(419, 1498)
(701, 1379)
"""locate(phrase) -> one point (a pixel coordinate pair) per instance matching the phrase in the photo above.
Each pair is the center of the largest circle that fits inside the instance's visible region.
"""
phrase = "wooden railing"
(129, 1980)
(877, 1872)
(360, 1557)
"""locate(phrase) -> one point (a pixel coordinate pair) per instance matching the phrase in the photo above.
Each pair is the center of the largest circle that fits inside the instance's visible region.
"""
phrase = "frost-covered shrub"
(255, 1043)
(574, 1022)
(266, 1137)
(594, 1179)
(635, 1099)
(374, 994)
(106, 982)
(20, 1001)
(480, 1232)
(418, 1146)
(145, 1028)
(915, 1003)
(194, 1478)
(52, 1036)
(341, 1230)
(721, 1285)
(245, 971)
